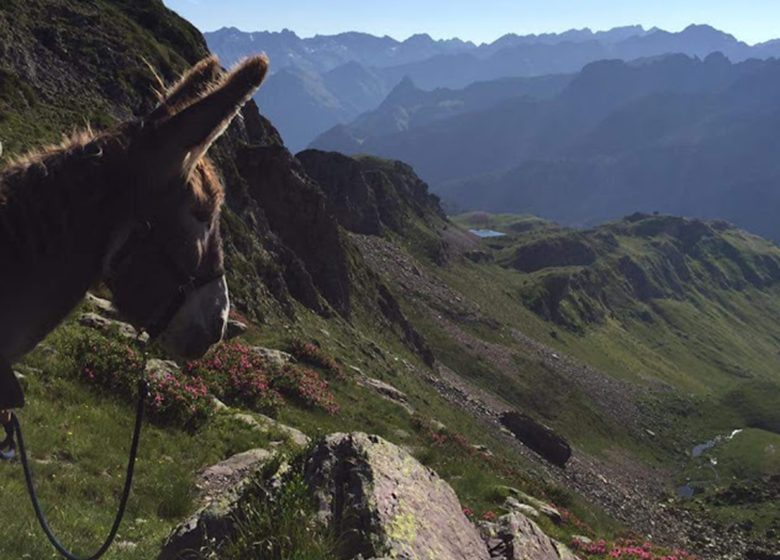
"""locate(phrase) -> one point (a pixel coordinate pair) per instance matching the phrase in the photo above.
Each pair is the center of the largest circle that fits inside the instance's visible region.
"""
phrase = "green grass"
(278, 523)
(78, 441)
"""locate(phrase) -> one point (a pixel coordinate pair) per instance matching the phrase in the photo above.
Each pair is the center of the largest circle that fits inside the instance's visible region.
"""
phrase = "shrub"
(306, 386)
(311, 354)
(240, 377)
(116, 367)
(106, 363)
(237, 376)
(176, 398)
(628, 549)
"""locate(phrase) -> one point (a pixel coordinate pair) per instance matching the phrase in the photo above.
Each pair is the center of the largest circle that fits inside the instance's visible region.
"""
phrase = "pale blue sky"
(480, 20)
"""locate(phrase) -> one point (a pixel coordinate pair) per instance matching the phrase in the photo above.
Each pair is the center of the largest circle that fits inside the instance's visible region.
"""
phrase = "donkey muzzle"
(11, 394)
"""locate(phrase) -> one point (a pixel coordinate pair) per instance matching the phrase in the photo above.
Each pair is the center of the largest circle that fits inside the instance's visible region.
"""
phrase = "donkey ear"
(190, 87)
(192, 130)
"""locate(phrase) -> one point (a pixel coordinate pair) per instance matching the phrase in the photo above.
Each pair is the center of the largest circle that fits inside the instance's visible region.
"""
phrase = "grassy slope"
(715, 346)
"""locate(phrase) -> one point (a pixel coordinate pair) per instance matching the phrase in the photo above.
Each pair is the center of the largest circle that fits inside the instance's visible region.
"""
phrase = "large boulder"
(381, 502)
(515, 537)
(538, 437)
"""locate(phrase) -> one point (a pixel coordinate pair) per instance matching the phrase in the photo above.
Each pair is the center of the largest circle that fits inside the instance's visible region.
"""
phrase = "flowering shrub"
(237, 376)
(468, 512)
(569, 517)
(240, 377)
(310, 353)
(489, 515)
(114, 366)
(305, 385)
(625, 548)
(106, 363)
(178, 399)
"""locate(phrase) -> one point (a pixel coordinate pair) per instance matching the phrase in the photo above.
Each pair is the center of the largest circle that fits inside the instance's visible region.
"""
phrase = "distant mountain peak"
(419, 37)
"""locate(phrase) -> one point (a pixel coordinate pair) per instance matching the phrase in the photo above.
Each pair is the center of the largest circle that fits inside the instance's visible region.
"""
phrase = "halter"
(187, 283)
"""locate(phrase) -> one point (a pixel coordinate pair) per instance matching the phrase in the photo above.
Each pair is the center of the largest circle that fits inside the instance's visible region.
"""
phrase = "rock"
(438, 427)
(156, 369)
(513, 504)
(101, 306)
(381, 502)
(581, 539)
(223, 487)
(484, 449)
(105, 325)
(538, 437)
(387, 391)
(544, 508)
(219, 478)
(515, 537)
(266, 425)
(235, 328)
(274, 357)
(219, 406)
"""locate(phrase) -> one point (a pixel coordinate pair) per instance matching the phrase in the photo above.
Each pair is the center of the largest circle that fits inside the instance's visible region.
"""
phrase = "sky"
(480, 20)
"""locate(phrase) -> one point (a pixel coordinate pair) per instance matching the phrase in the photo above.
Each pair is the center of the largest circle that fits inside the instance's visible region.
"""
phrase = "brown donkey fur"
(137, 207)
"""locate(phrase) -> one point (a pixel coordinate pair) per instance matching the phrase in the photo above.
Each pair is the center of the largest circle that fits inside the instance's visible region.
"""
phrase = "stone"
(515, 537)
(156, 369)
(484, 449)
(274, 357)
(235, 328)
(217, 479)
(438, 427)
(266, 425)
(105, 325)
(513, 504)
(537, 437)
(387, 392)
(540, 506)
(101, 306)
(381, 502)
(223, 488)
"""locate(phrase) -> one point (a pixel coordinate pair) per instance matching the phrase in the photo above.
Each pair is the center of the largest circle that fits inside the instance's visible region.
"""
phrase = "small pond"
(688, 490)
(487, 233)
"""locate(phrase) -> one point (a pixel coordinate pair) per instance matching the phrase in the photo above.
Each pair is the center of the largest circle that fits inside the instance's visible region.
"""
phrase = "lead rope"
(143, 391)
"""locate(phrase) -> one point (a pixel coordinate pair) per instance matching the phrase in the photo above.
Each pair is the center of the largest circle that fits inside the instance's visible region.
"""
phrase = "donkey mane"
(203, 180)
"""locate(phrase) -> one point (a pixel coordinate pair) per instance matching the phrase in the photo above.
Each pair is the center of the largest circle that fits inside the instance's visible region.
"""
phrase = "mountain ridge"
(434, 64)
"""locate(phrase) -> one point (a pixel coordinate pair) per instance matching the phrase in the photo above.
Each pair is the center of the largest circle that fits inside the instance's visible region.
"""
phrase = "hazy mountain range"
(322, 81)
(675, 134)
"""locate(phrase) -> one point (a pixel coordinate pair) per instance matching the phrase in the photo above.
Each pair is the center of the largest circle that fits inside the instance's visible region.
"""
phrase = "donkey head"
(165, 266)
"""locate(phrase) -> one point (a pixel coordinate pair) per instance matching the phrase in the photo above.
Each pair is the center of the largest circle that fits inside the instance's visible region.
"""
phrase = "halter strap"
(182, 293)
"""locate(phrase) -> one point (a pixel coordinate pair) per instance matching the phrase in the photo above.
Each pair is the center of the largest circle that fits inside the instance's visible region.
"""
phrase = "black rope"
(142, 393)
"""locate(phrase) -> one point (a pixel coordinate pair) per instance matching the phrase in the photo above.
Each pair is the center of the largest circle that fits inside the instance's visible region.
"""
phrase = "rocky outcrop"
(223, 488)
(538, 437)
(106, 325)
(375, 499)
(270, 427)
(276, 358)
(385, 390)
(381, 502)
(515, 537)
(370, 195)
(296, 211)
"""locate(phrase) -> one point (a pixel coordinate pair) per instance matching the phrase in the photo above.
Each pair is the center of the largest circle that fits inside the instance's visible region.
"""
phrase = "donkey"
(138, 208)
